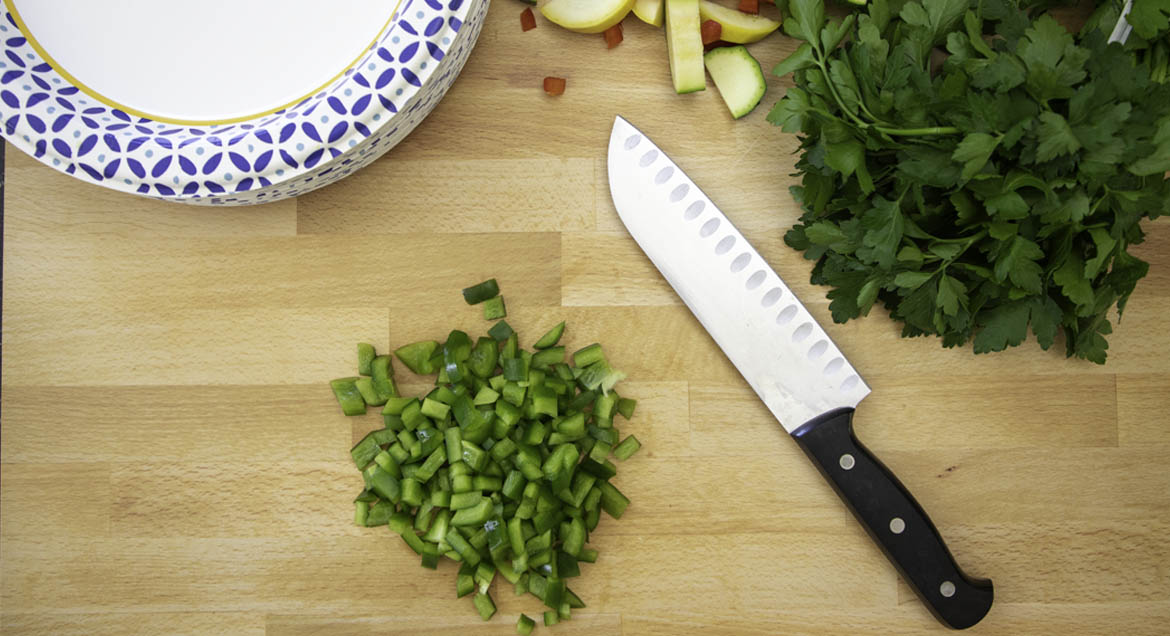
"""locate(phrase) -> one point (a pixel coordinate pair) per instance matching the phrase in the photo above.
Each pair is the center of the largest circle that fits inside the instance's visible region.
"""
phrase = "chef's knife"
(786, 358)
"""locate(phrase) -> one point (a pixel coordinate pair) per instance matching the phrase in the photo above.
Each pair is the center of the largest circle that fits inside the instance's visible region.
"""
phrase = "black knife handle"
(895, 521)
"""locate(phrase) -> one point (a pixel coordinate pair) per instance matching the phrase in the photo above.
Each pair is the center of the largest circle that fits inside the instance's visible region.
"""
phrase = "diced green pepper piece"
(573, 426)
(600, 451)
(501, 331)
(459, 544)
(434, 409)
(475, 457)
(513, 394)
(514, 485)
(486, 483)
(493, 308)
(382, 377)
(567, 567)
(628, 447)
(480, 292)
(380, 514)
(395, 405)
(544, 402)
(511, 348)
(464, 585)
(363, 452)
(434, 462)
(588, 355)
(503, 449)
(361, 510)
(348, 396)
(565, 611)
(485, 606)
(484, 357)
(463, 500)
(625, 406)
(417, 356)
(613, 502)
(554, 593)
(547, 358)
(574, 540)
(413, 541)
(365, 386)
(430, 561)
(475, 515)
(525, 625)
(515, 369)
(485, 396)
(383, 483)
(603, 405)
(551, 337)
(551, 617)
(588, 555)
(365, 356)
(453, 437)
(412, 494)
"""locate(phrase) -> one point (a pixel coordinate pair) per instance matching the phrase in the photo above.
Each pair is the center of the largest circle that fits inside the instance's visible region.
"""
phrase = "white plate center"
(205, 61)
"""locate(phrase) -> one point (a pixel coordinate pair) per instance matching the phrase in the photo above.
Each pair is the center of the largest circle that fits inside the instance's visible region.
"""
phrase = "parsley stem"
(918, 132)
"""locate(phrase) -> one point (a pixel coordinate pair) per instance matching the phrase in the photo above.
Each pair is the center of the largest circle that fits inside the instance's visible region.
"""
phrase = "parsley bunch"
(976, 167)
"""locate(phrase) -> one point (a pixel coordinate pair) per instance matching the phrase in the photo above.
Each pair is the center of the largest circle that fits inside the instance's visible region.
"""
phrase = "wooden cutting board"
(173, 460)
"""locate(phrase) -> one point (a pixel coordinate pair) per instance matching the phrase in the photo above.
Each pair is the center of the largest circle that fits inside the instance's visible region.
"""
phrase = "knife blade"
(786, 357)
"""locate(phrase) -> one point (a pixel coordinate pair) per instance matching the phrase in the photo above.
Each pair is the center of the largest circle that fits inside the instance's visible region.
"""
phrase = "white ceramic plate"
(224, 101)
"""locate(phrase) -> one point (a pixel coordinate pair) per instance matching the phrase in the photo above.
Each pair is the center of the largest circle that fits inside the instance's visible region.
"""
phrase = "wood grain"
(173, 462)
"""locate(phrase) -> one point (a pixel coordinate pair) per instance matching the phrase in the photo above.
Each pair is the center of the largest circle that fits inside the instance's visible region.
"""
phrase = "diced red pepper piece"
(527, 20)
(554, 86)
(711, 31)
(749, 6)
(613, 36)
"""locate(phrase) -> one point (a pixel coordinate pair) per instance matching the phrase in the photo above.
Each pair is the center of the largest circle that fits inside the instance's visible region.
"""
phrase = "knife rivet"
(947, 589)
(897, 525)
(846, 461)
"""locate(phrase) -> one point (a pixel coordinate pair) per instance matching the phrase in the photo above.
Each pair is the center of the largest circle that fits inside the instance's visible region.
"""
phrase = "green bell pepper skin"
(483, 291)
(361, 510)
(417, 356)
(348, 396)
(494, 308)
(625, 406)
(613, 502)
(551, 337)
(525, 625)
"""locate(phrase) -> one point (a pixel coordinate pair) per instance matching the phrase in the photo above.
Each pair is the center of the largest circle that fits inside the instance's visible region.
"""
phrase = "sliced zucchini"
(738, 77)
(684, 45)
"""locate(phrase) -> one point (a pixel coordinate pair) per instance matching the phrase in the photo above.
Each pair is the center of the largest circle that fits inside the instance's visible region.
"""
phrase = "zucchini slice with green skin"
(738, 77)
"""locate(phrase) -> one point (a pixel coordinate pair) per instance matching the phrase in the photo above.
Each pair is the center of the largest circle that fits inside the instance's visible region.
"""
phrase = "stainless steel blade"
(753, 316)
